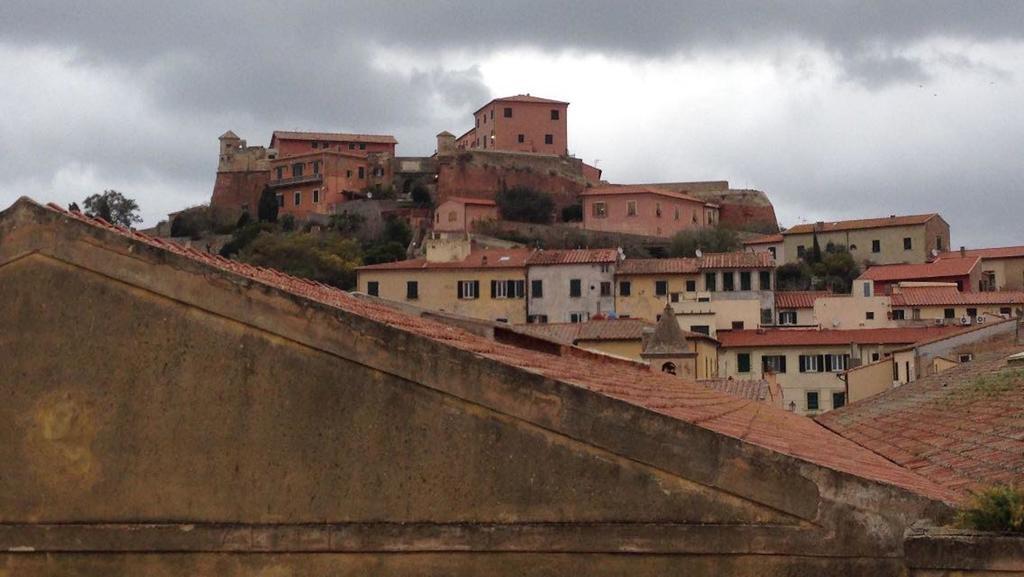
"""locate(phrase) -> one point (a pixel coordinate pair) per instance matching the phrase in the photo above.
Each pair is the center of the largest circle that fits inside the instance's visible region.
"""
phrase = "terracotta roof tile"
(766, 239)
(468, 200)
(746, 420)
(826, 337)
(755, 390)
(988, 253)
(621, 189)
(491, 258)
(861, 223)
(798, 299)
(943, 296)
(598, 330)
(657, 266)
(963, 427)
(738, 259)
(709, 261)
(947, 267)
(334, 137)
(573, 256)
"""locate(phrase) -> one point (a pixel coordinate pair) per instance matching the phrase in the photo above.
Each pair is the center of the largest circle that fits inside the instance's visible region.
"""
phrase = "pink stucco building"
(644, 210)
(458, 214)
(521, 123)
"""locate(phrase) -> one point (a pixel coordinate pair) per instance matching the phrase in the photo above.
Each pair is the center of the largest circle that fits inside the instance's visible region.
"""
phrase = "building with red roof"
(459, 214)
(404, 443)
(888, 240)
(644, 210)
(572, 285)
(770, 243)
(963, 272)
(1002, 268)
(520, 123)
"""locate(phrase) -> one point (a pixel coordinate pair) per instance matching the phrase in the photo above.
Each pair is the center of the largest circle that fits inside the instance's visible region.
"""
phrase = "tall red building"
(521, 123)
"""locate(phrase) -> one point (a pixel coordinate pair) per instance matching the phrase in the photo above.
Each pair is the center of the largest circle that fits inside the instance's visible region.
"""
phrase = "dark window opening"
(412, 290)
(373, 288)
(661, 288)
(624, 288)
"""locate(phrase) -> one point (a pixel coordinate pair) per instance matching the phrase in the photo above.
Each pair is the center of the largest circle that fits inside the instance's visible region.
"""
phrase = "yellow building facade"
(887, 240)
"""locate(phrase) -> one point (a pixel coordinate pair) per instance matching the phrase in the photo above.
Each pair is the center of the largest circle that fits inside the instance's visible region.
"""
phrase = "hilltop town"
(496, 358)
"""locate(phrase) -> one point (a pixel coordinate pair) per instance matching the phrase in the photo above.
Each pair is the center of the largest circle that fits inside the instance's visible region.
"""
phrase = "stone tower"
(667, 350)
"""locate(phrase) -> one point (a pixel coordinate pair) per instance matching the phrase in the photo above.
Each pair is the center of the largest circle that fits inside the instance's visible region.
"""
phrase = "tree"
(572, 213)
(113, 207)
(396, 230)
(196, 221)
(266, 211)
(835, 271)
(347, 223)
(288, 222)
(686, 243)
(421, 196)
(384, 252)
(326, 258)
(524, 204)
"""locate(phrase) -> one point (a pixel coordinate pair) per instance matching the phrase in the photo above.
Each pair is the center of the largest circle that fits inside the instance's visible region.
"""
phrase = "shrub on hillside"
(686, 243)
(524, 204)
(999, 508)
(204, 219)
(421, 196)
(326, 258)
(572, 213)
(266, 210)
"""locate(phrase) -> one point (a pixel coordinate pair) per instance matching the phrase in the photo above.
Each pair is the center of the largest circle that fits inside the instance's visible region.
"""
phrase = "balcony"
(304, 179)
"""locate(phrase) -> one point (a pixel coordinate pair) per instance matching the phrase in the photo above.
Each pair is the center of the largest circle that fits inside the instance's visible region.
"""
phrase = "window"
(624, 288)
(606, 288)
(660, 288)
(702, 329)
(677, 213)
(600, 210)
(575, 288)
(362, 172)
(362, 146)
(838, 400)
(316, 195)
(675, 297)
(915, 314)
(297, 169)
(1005, 311)
(728, 281)
(314, 143)
(766, 316)
(453, 216)
(348, 174)
(787, 317)
(965, 357)
(631, 208)
(669, 368)
(867, 286)
(773, 363)
(280, 172)
(836, 363)
(492, 114)
(800, 251)
(508, 112)
(745, 283)
(532, 319)
(899, 315)
(938, 243)
(316, 167)
(972, 312)
(771, 249)
(949, 314)
(812, 363)
(764, 281)
(521, 138)
(907, 243)
(499, 290)
(298, 198)
(549, 139)
(875, 357)
(710, 283)
(577, 317)
(468, 289)
(412, 290)
(508, 289)
(537, 289)
(691, 286)
(812, 400)
(737, 325)
(869, 316)
(554, 115)
(373, 288)
(743, 362)
(280, 201)
(351, 146)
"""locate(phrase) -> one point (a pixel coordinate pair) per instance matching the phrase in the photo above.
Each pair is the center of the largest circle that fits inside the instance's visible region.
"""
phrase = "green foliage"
(266, 211)
(998, 508)
(243, 219)
(243, 236)
(396, 231)
(287, 222)
(347, 223)
(686, 243)
(384, 252)
(421, 196)
(113, 207)
(382, 191)
(524, 204)
(794, 276)
(572, 213)
(197, 221)
(834, 270)
(326, 258)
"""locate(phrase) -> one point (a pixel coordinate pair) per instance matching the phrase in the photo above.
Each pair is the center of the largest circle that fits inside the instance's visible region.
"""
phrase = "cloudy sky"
(836, 109)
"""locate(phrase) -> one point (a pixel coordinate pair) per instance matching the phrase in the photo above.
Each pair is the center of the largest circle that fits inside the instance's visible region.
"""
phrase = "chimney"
(963, 252)
(892, 216)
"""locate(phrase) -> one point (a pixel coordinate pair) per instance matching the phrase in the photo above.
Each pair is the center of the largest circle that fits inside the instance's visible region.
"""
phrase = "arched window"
(669, 368)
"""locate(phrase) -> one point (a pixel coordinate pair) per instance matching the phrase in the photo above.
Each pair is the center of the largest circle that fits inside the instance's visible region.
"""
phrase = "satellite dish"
(935, 252)
(699, 253)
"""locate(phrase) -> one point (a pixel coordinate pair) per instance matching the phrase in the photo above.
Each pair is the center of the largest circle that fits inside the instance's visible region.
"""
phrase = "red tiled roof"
(522, 98)
(758, 390)
(333, 137)
(943, 296)
(621, 189)
(826, 337)
(861, 223)
(945, 268)
(599, 330)
(738, 259)
(657, 266)
(988, 253)
(573, 256)
(743, 419)
(467, 200)
(798, 299)
(766, 239)
(490, 258)
(963, 428)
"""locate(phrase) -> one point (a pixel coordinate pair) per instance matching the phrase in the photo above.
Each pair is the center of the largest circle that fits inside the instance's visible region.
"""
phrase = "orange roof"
(766, 239)
(332, 137)
(573, 256)
(467, 200)
(599, 330)
(622, 189)
(748, 389)
(949, 295)
(522, 98)
(657, 266)
(490, 258)
(861, 223)
(963, 428)
(826, 337)
(944, 268)
(798, 299)
(988, 253)
(749, 421)
(738, 259)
